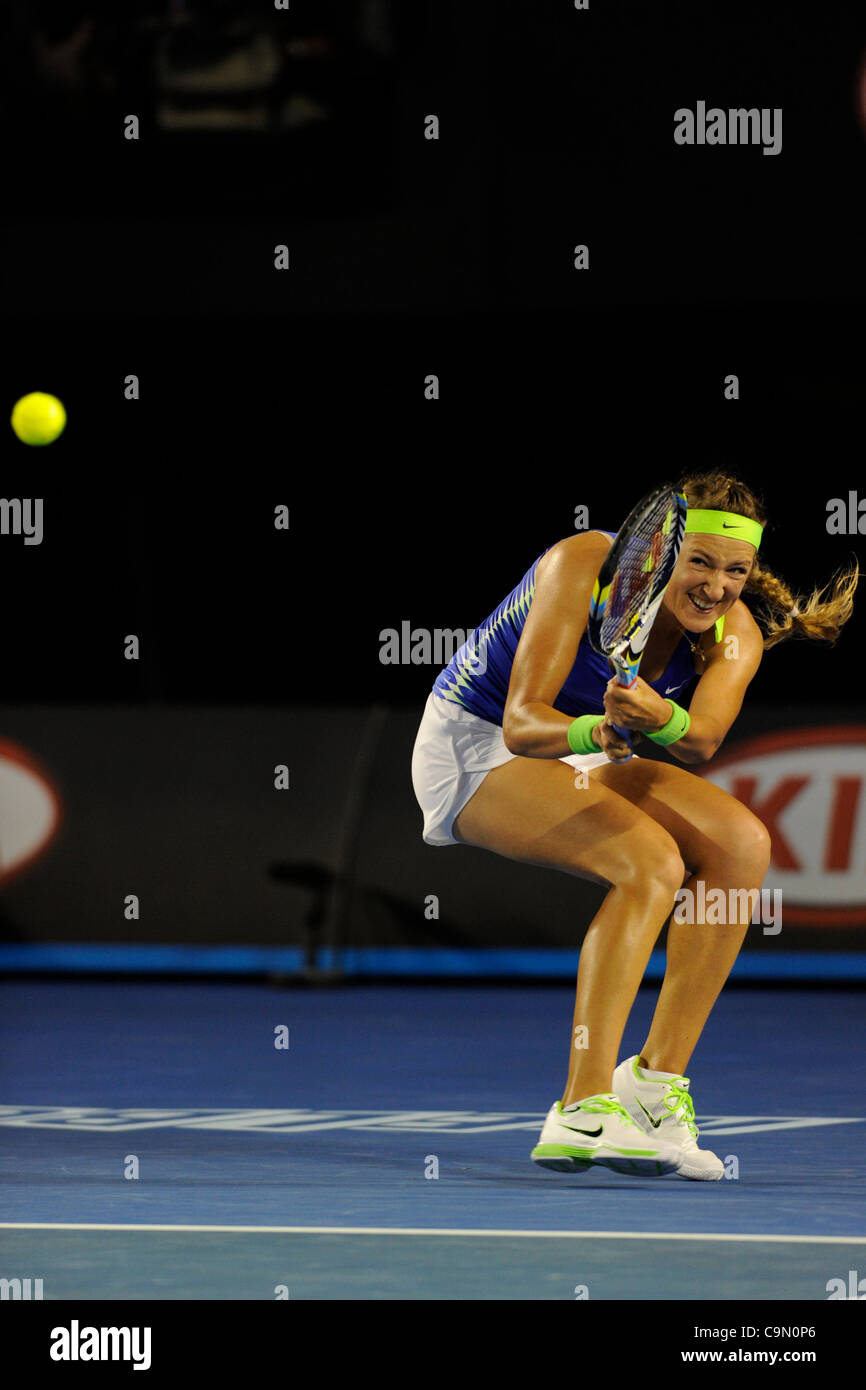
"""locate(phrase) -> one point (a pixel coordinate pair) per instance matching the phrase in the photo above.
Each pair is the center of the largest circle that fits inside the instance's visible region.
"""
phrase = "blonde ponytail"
(791, 615)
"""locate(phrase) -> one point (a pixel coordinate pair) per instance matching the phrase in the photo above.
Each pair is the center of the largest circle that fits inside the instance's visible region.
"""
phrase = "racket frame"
(626, 655)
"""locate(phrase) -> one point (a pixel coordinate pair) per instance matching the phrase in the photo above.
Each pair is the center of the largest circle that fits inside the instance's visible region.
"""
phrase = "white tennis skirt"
(453, 753)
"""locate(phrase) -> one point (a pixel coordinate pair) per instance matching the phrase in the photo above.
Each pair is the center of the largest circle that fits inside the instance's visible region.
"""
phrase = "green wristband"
(580, 738)
(676, 728)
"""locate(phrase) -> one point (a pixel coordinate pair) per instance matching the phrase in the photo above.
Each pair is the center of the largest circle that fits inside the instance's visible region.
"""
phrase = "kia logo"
(806, 785)
(29, 810)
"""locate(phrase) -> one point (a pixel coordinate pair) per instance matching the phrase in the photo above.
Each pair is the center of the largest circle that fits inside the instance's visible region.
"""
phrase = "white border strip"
(432, 1231)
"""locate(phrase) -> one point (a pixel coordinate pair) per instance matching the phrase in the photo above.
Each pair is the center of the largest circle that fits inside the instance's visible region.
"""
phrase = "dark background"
(158, 513)
(411, 257)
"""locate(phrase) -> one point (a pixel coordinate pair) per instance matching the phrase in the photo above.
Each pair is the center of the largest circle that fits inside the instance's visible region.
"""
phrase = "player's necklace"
(693, 645)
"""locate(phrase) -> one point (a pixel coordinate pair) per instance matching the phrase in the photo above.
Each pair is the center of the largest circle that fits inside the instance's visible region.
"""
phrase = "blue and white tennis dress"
(460, 737)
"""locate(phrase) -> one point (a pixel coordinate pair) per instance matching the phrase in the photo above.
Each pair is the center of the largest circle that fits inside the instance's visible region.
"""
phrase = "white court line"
(429, 1231)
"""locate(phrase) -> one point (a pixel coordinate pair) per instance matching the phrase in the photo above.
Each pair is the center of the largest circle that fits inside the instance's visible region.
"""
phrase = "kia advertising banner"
(806, 785)
(29, 811)
(298, 828)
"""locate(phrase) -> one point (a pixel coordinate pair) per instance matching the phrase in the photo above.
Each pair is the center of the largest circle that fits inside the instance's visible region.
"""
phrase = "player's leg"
(529, 809)
(722, 844)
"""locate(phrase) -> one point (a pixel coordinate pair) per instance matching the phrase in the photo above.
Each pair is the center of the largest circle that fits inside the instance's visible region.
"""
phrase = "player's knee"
(655, 864)
(753, 842)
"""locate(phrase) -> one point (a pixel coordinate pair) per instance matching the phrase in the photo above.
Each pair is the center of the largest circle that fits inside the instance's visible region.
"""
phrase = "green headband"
(740, 528)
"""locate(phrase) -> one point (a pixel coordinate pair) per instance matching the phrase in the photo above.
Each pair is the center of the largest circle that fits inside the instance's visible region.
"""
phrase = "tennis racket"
(631, 584)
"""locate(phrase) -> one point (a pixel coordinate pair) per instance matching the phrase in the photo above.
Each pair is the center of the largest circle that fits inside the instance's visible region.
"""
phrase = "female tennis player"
(526, 695)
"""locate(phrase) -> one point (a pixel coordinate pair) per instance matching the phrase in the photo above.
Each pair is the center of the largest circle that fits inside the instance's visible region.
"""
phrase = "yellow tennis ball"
(38, 419)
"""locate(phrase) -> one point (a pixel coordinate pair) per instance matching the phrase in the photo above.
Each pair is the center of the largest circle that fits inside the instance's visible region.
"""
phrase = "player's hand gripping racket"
(631, 583)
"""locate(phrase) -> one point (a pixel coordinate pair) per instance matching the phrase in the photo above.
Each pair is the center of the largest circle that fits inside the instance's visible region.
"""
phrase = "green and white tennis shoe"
(599, 1131)
(660, 1103)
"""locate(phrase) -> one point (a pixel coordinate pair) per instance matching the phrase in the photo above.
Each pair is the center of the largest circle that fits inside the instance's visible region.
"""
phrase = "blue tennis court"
(245, 1142)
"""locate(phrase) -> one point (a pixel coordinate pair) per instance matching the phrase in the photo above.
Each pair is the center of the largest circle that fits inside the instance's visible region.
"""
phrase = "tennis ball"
(38, 419)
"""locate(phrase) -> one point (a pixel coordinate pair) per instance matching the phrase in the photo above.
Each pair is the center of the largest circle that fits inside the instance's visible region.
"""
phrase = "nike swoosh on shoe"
(655, 1123)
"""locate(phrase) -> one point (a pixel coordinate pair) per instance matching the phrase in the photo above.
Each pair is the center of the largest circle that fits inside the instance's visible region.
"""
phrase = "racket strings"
(641, 573)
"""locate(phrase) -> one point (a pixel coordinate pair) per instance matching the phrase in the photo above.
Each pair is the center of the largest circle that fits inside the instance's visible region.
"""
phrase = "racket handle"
(626, 683)
(626, 737)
